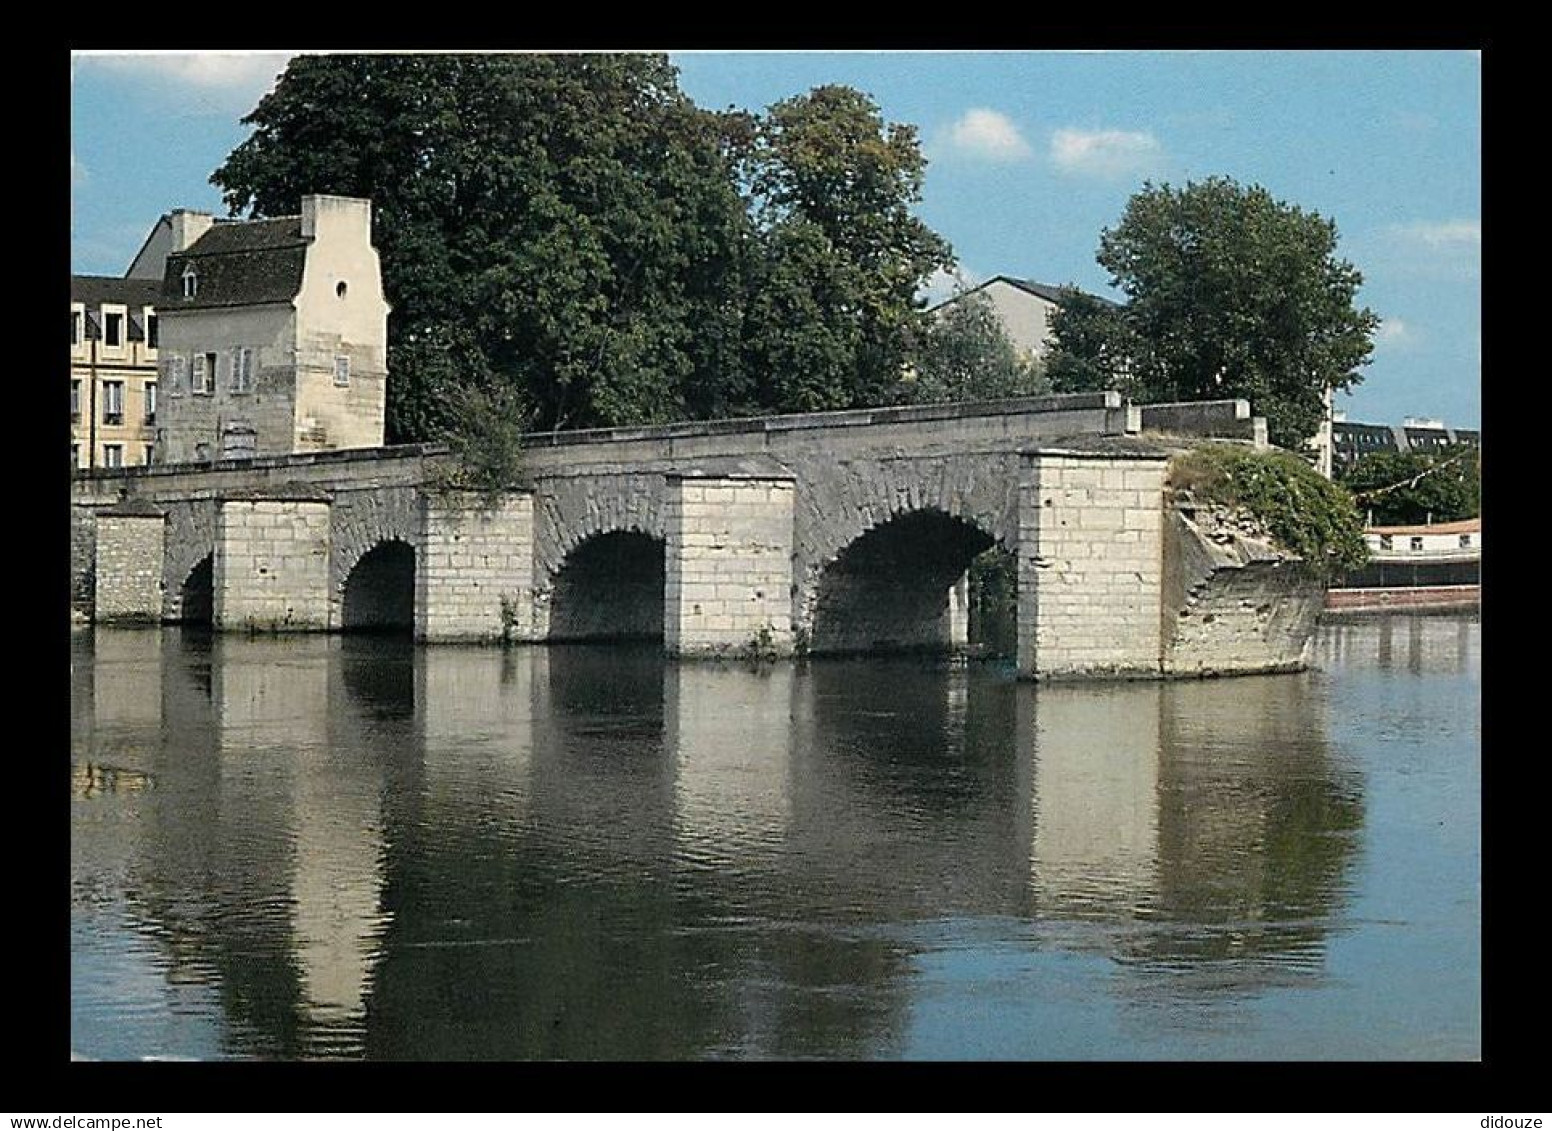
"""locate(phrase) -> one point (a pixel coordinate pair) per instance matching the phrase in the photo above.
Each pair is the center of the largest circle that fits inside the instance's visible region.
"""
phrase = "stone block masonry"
(728, 566)
(474, 575)
(1089, 566)
(271, 567)
(129, 553)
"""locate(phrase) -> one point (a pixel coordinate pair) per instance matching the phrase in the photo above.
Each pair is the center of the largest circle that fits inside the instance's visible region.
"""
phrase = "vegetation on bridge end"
(1300, 510)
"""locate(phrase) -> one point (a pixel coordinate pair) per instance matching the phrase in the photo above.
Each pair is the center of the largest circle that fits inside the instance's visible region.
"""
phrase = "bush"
(1302, 512)
(485, 437)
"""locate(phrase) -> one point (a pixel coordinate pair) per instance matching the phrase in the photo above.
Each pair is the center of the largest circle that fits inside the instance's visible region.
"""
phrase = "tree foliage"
(1305, 513)
(1230, 293)
(575, 228)
(1411, 488)
(963, 354)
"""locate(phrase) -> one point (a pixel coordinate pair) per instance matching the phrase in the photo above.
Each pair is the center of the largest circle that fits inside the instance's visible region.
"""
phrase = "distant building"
(1351, 441)
(1024, 307)
(114, 339)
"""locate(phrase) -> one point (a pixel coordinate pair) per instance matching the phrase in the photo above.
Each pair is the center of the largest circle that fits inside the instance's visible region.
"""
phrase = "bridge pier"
(130, 547)
(1090, 566)
(474, 576)
(727, 576)
(271, 566)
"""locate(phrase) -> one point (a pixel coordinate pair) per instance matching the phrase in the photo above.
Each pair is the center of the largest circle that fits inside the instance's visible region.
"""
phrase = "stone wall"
(129, 567)
(1232, 601)
(474, 577)
(728, 566)
(83, 562)
(272, 565)
(1089, 564)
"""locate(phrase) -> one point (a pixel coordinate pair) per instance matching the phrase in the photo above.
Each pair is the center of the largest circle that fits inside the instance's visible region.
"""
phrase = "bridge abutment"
(1090, 566)
(728, 565)
(130, 548)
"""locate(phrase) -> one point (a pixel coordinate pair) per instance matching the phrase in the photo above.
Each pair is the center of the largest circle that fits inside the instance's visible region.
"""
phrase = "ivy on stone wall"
(1300, 510)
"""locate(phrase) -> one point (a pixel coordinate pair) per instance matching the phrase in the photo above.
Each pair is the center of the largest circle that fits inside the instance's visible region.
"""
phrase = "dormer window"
(190, 281)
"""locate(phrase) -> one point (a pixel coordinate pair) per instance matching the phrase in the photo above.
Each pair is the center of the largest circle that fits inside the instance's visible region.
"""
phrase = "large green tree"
(1230, 293)
(567, 226)
(839, 257)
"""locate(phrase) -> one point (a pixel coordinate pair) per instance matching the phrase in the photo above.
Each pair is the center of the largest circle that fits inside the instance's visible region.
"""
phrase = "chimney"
(332, 216)
(188, 226)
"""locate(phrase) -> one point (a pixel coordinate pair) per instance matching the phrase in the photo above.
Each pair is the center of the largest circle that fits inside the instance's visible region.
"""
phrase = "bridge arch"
(196, 594)
(379, 591)
(609, 587)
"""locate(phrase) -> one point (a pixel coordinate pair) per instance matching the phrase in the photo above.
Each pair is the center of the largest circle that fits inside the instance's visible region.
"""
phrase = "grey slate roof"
(238, 263)
(94, 290)
(1046, 290)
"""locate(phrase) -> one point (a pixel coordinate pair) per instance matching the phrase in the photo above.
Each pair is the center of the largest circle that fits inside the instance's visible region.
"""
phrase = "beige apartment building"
(114, 362)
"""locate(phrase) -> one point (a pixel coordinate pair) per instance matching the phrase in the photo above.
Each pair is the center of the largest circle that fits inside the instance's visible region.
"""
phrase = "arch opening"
(380, 591)
(902, 587)
(610, 587)
(196, 598)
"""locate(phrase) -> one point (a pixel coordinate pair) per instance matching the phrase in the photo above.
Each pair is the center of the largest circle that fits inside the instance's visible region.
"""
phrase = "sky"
(1031, 156)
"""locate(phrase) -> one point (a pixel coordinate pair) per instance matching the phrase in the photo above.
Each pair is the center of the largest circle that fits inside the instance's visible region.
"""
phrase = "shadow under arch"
(196, 597)
(888, 590)
(610, 587)
(379, 594)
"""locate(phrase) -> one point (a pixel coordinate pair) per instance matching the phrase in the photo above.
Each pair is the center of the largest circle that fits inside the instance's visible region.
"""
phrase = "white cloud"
(1105, 153)
(1393, 333)
(217, 81)
(1442, 235)
(989, 135)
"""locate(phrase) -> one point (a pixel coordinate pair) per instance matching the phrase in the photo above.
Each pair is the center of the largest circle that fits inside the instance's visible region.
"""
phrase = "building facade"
(274, 335)
(114, 357)
(1024, 307)
(1351, 441)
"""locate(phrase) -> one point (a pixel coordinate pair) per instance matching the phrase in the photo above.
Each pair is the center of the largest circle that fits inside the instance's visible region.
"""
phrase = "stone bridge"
(823, 533)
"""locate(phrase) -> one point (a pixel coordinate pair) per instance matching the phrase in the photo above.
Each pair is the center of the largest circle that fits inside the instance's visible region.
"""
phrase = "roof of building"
(239, 263)
(1050, 293)
(1464, 526)
(94, 290)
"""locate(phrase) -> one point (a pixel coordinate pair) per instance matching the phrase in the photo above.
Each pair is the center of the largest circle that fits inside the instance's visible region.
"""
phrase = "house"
(114, 337)
(1351, 441)
(273, 333)
(1024, 307)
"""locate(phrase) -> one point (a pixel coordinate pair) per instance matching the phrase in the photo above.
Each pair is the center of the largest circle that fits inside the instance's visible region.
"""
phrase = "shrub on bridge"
(1302, 511)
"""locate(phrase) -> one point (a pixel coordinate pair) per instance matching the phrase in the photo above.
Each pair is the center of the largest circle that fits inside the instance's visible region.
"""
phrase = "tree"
(964, 354)
(1410, 488)
(567, 225)
(1231, 293)
(839, 257)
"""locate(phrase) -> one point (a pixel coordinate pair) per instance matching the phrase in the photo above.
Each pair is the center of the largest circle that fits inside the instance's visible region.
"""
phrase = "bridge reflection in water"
(364, 847)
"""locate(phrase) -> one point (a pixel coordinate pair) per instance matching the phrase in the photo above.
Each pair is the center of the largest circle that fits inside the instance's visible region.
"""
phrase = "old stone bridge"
(826, 533)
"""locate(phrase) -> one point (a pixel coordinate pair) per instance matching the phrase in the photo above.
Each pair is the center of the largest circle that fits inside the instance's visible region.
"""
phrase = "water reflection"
(369, 848)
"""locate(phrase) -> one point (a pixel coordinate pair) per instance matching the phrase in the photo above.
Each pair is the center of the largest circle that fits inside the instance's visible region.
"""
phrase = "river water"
(355, 847)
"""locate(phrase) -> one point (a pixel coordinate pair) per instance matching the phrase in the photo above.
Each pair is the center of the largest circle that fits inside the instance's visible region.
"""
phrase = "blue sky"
(1031, 155)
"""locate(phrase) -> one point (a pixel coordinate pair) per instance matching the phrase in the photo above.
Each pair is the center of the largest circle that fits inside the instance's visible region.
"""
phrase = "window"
(112, 328)
(1386, 542)
(190, 281)
(75, 401)
(153, 330)
(150, 450)
(1465, 541)
(150, 402)
(75, 327)
(1417, 541)
(204, 373)
(242, 369)
(174, 368)
(342, 371)
(113, 402)
(202, 451)
(75, 456)
(113, 455)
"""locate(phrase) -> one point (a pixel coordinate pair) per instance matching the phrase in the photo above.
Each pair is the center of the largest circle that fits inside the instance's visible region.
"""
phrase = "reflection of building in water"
(731, 732)
(1096, 779)
(1414, 642)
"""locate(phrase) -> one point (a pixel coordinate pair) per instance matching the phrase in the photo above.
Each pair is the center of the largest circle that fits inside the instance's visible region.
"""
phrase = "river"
(356, 847)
